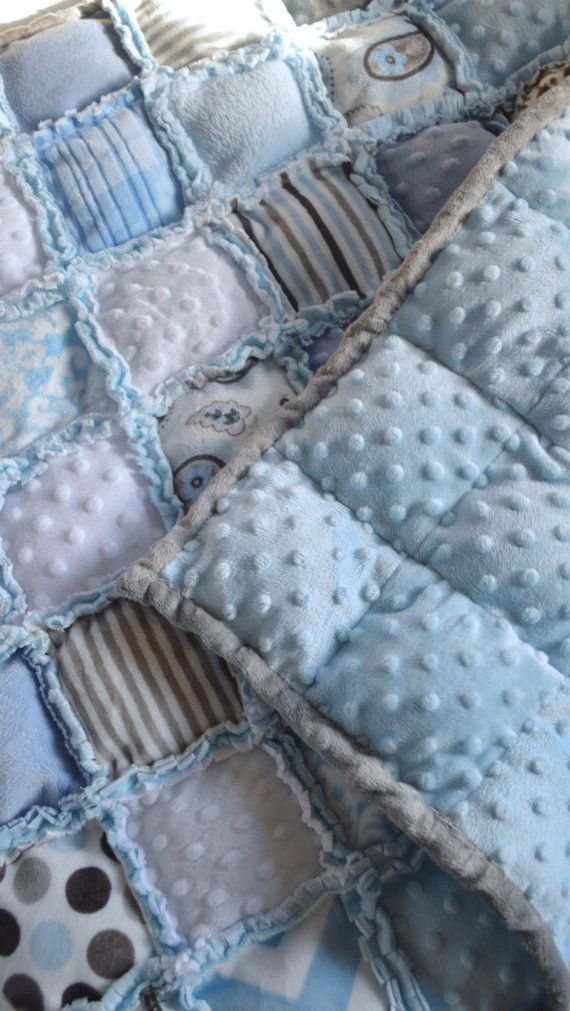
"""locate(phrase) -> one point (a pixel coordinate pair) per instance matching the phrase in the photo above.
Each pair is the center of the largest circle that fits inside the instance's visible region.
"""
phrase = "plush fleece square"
(62, 68)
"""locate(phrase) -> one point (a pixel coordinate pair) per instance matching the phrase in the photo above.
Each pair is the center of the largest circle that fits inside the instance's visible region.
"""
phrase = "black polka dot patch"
(23, 993)
(9, 933)
(88, 889)
(110, 954)
(77, 990)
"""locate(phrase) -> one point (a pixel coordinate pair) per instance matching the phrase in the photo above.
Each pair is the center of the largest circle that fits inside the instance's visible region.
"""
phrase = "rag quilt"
(285, 506)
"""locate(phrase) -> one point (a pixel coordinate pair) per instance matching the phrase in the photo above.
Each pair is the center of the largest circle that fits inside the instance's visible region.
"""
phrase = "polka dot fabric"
(68, 927)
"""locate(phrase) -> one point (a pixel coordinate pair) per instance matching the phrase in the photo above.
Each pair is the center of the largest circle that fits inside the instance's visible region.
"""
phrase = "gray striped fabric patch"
(319, 234)
(142, 688)
(176, 36)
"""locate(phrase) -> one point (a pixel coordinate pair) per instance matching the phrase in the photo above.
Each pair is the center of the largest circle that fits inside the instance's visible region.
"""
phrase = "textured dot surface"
(507, 546)
(511, 343)
(22, 254)
(276, 508)
(212, 872)
(483, 965)
(427, 438)
(421, 159)
(429, 706)
(157, 313)
(62, 545)
(504, 36)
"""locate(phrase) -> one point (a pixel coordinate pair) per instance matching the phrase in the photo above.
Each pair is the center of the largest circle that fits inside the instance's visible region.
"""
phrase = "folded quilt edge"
(444, 842)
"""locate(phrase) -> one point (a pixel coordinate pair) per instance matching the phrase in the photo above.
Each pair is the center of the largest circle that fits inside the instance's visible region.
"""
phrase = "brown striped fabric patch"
(178, 33)
(142, 688)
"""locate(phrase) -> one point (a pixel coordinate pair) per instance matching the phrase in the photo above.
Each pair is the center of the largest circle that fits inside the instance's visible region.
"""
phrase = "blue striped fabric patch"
(318, 233)
(109, 175)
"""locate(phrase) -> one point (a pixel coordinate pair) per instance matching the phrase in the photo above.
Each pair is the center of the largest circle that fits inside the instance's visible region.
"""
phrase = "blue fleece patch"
(36, 766)
(62, 68)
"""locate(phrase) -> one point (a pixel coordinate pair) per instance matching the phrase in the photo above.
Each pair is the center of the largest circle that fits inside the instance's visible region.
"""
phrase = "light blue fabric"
(494, 306)
(463, 956)
(503, 36)
(62, 68)
(36, 766)
(244, 124)
(109, 175)
(47, 379)
(424, 170)
(332, 581)
(415, 470)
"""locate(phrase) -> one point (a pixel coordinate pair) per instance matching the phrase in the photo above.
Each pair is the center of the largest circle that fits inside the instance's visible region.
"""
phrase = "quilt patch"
(143, 689)
(316, 964)
(177, 35)
(36, 85)
(205, 427)
(68, 926)
(23, 256)
(37, 768)
(423, 171)
(48, 378)
(235, 127)
(319, 233)
(68, 529)
(108, 174)
(178, 306)
(229, 835)
(377, 67)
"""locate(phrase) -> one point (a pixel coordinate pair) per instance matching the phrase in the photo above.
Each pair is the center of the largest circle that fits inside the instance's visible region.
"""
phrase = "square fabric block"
(318, 233)
(316, 964)
(225, 842)
(380, 67)
(142, 688)
(205, 428)
(241, 124)
(183, 303)
(503, 36)
(81, 521)
(62, 68)
(424, 170)
(178, 32)
(47, 379)
(37, 768)
(68, 923)
(461, 951)
(22, 253)
(108, 174)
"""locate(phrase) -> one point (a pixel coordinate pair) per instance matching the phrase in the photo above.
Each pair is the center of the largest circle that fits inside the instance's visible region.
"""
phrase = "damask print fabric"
(284, 570)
